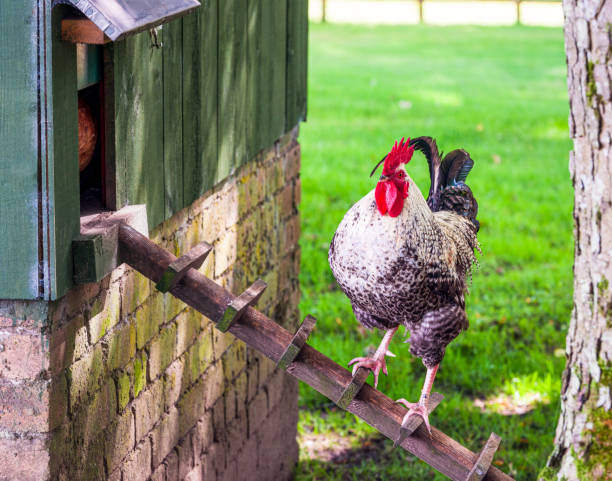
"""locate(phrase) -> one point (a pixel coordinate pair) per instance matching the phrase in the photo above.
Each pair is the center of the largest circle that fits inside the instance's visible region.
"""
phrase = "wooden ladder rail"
(310, 366)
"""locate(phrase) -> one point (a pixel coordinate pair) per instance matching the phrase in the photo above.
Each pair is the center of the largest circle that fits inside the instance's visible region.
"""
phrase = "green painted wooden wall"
(229, 80)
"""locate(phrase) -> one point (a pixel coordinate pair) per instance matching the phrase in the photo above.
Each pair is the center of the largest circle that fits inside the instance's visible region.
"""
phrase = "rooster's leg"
(376, 363)
(420, 408)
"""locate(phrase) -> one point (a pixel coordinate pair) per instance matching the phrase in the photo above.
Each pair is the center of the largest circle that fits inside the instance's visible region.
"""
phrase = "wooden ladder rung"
(234, 311)
(485, 458)
(413, 422)
(177, 269)
(297, 343)
(353, 387)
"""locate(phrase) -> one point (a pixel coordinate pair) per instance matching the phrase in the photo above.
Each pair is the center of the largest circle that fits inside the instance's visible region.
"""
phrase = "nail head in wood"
(177, 269)
(236, 308)
(485, 458)
(297, 343)
(413, 422)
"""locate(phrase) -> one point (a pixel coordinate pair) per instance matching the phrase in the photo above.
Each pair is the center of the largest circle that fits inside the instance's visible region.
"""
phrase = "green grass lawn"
(499, 93)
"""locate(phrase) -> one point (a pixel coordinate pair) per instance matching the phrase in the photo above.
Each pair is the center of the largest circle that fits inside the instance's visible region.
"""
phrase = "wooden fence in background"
(422, 2)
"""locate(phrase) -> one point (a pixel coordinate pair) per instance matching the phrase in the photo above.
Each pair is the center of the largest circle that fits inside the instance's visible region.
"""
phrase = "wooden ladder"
(292, 354)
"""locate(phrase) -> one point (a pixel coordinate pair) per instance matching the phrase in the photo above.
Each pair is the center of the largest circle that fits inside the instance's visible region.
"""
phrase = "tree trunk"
(583, 442)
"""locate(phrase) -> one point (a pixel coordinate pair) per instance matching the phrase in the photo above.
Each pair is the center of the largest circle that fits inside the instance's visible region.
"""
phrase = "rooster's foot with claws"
(415, 409)
(372, 363)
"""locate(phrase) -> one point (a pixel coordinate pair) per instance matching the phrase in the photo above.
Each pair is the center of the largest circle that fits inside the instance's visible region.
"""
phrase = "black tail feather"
(448, 190)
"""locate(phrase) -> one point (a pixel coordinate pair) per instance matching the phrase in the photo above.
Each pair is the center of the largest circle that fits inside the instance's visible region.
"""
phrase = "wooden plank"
(312, 367)
(227, 84)
(94, 255)
(139, 126)
(177, 269)
(254, 69)
(277, 29)
(19, 206)
(485, 458)
(297, 62)
(240, 86)
(82, 30)
(297, 343)
(199, 101)
(63, 164)
(172, 53)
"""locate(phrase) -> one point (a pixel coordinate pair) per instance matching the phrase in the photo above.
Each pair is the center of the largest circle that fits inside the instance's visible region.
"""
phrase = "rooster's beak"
(383, 178)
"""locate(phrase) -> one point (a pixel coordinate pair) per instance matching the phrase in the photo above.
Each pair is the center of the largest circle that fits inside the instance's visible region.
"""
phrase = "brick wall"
(118, 381)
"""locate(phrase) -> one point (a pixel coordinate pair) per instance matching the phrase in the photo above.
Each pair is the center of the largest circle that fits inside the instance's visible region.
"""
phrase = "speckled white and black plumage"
(410, 269)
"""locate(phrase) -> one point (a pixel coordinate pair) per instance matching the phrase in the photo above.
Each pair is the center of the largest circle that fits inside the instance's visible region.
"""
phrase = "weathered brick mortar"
(118, 381)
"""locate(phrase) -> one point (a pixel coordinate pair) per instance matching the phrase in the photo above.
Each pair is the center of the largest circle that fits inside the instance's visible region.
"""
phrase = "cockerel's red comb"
(401, 153)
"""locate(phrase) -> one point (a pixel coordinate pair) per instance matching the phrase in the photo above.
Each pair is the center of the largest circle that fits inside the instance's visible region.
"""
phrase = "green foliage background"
(500, 93)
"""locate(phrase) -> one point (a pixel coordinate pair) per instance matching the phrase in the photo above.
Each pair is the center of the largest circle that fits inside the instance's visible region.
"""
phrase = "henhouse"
(173, 122)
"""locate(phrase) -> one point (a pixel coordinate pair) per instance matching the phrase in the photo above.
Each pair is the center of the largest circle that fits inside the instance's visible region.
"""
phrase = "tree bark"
(583, 441)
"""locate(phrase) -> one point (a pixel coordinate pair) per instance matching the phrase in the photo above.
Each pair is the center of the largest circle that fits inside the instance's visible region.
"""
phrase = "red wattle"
(379, 194)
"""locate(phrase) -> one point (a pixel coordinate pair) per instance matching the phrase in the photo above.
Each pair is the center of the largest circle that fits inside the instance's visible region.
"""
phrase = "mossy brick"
(176, 379)
(247, 459)
(123, 389)
(165, 436)
(67, 344)
(148, 408)
(161, 351)
(291, 163)
(216, 458)
(185, 456)
(202, 435)
(171, 463)
(241, 388)
(24, 407)
(221, 342)
(236, 434)
(234, 359)
(122, 346)
(137, 466)
(200, 355)
(257, 411)
(58, 401)
(229, 399)
(135, 289)
(191, 406)
(109, 304)
(188, 327)
(232, 199)
(252, 380)
(159, 473)
(213, 220)
(22, 355)
(173, 306)
(119, 440)
(93, 417)
(226, 251)
(269, 295)
(284, 201)
(86, 374)
(215, 384)
(195, 474)
(297, 193)
(149, 316)
(140, 373)
(275, 178)
(291, 234)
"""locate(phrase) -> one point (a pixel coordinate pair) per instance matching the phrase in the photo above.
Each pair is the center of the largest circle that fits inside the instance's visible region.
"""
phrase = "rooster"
(402, 260)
